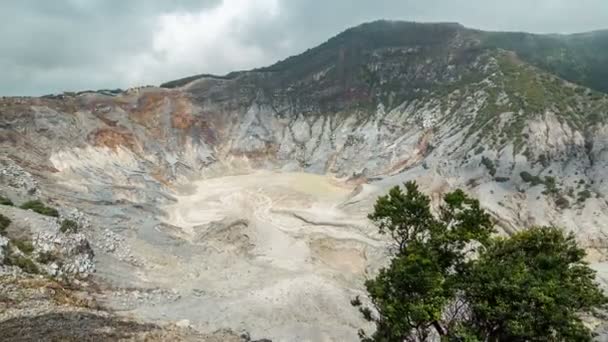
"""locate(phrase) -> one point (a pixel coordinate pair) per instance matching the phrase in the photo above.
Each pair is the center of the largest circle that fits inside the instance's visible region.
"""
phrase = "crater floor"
(277, 254)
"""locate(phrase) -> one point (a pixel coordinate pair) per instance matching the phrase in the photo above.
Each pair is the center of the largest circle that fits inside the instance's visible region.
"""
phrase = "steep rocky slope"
(201, 202)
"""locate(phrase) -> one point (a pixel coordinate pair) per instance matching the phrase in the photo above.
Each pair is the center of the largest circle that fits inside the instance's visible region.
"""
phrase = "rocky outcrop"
(38, 240)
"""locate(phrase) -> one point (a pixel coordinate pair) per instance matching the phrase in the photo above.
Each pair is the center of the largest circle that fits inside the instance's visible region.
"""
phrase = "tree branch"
(439, 328)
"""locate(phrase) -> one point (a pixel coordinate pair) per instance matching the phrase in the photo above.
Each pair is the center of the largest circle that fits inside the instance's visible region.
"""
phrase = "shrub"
(501, 179)
(543, 160)
(40, 208)
(4, 223)
(583, 196)
(68, 226)
(47, 257)
(550, 186)
(5, 201)
(24, 263)
(561, 202)
(489, 164)
(528, 178)
(25, 246)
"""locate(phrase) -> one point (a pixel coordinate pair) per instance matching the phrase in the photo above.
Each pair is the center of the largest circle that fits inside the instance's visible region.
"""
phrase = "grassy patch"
(5, 201)
(489, 164)
(25, 246)
(550, 186)
(47, 257)
(24, 263)
(40, 208)
(583, 196)
(68, 226)
(479, 150)
(562, 202)
(529, 178)
(4, 223)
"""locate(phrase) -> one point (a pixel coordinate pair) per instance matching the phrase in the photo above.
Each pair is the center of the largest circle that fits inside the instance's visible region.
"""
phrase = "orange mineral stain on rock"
(181, 117)
(148, 112)
(159, 176)
(113, 138)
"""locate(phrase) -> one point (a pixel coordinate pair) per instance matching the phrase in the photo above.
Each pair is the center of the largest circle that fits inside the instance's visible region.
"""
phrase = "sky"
(67, 45)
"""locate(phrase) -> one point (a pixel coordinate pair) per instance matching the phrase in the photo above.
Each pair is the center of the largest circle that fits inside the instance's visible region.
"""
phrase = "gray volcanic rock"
(55, 253)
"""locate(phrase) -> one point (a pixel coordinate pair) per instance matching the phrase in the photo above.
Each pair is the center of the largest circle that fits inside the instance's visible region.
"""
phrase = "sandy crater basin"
(273, 253)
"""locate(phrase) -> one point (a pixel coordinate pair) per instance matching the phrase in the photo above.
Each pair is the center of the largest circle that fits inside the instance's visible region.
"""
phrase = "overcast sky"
(52, 46)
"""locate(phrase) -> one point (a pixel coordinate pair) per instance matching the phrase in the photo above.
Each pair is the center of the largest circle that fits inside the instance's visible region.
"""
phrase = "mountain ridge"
(518, 42)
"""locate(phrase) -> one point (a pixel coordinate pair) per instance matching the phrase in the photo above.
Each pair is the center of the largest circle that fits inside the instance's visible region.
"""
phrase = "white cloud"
(209, 41)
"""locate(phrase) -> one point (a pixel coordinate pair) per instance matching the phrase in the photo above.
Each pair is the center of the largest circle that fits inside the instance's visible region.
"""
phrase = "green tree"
(449, 278)
(532, 285)
(411, 293)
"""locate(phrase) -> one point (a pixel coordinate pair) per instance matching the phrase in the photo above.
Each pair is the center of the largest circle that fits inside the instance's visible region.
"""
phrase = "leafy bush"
(543, 160)
(47, 257)
(68, 226)
(583, 196)
(40, 208)
(570, 192)
(550, 186)
(25, 246)
(562, 202)
(4, 223)
(489, 164)
(5, 201)
(501, 179)
(24, 263)
(528, 178)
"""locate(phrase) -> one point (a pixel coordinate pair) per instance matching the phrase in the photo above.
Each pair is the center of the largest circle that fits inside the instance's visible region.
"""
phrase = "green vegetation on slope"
(579, 58)
(518, 77)
(24, 263)
(25, 246)
(40, 208)
(5, 201)
(4, 223)
(515, 93)
(68, 226)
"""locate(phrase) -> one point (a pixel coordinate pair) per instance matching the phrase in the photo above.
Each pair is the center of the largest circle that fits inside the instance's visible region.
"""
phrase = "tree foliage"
(532, 285)
(450, 278)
